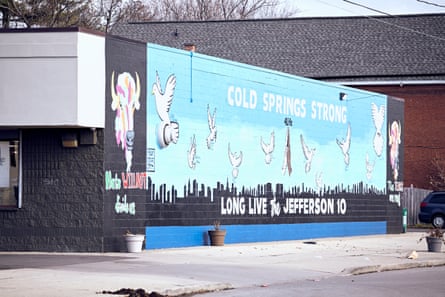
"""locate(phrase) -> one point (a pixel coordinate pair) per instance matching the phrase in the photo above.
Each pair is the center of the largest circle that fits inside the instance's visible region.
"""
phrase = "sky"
(315, 8)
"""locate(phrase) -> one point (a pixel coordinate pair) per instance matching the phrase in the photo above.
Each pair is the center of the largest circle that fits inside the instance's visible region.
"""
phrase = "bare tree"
(48, 13)
(98, 14)
(4, 13)
(174, 10)
(437, 178)
(138, 11)
(103, 14)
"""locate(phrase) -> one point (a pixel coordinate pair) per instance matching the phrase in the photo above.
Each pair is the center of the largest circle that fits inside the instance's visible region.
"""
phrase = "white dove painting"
(268, 147)
(369, 167)
(211, 138)
(235, 160)
(378, 117)
(308, 154)
(345, 144)
(191, 153)
(319, 180)
(167, 130)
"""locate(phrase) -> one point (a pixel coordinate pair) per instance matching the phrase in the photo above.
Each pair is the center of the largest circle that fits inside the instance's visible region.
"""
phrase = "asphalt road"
(425, 282)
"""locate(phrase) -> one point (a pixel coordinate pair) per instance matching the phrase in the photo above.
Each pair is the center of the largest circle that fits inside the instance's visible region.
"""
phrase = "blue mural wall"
(270, 155)
(254, 126)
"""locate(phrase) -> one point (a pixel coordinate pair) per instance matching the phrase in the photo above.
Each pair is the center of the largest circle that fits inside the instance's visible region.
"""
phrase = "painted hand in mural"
(378, 117)
(308, 154)
(345, 144)
(235, 160)
(211, 139)
(167, 131)
(268, 147)
(125, 97)
(395, 132)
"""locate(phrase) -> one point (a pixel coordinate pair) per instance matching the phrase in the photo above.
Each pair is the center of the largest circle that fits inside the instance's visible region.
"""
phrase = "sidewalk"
(174, 272)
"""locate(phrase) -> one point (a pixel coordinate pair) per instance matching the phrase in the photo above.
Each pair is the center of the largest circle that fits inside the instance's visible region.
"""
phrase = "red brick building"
(424, 128)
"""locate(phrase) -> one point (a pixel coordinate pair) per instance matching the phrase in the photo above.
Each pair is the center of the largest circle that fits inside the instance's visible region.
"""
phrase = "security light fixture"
(69, 139)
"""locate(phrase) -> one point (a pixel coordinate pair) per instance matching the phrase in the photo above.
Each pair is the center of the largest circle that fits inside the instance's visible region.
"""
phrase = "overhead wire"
(367, 7)
(431, 3)
(332, 5)
(392, 24)
(381, 20)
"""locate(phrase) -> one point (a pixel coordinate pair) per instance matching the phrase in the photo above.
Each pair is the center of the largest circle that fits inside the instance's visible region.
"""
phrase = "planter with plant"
(434, 239)
(134, 242)
(217, 235)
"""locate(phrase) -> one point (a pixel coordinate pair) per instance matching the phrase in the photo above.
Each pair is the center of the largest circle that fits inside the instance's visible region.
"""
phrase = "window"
(438, 198)
(9, 169)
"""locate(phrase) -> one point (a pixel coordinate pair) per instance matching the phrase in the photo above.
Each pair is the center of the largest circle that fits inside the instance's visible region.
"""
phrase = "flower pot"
(134, 242)
(217, 237)
(434, 244)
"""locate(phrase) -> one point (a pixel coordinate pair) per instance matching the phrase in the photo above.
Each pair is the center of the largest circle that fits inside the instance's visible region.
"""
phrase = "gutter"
(387, 83)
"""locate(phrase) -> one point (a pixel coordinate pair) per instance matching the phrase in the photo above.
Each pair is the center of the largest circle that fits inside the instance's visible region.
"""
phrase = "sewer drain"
(309, 242)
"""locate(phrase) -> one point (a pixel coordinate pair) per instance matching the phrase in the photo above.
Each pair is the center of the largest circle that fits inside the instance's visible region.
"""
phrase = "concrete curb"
(198, 289)
(390, 267)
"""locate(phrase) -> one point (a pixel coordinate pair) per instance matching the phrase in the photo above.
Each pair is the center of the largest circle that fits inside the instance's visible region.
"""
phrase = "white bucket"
(134, 242)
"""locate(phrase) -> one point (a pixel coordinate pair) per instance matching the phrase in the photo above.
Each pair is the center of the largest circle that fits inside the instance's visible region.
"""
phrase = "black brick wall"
(62, 196)
(394, 219)
(124, 56)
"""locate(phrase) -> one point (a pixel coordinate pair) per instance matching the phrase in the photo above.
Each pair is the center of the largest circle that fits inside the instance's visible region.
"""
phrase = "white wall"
(91, 80)
(52, 79)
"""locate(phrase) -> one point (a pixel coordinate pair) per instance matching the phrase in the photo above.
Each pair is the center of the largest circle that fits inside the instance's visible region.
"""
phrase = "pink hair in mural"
(125, 101)
(395, 130)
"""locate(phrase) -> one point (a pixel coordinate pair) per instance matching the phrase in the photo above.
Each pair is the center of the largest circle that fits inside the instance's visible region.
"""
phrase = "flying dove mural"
(308, 154)
(168, 130)
(345, 145)
(211, 138)
(268, 147)
(378, 117)
(235, 159)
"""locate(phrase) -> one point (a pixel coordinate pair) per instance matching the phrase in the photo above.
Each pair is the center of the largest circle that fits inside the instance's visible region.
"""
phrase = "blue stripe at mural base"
(186, 236)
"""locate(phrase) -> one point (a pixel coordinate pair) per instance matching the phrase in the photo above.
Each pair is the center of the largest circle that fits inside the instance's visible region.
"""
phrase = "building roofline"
(290, 19)
(390, 82)
(126, 39)
(53, 30)
(377, 76)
